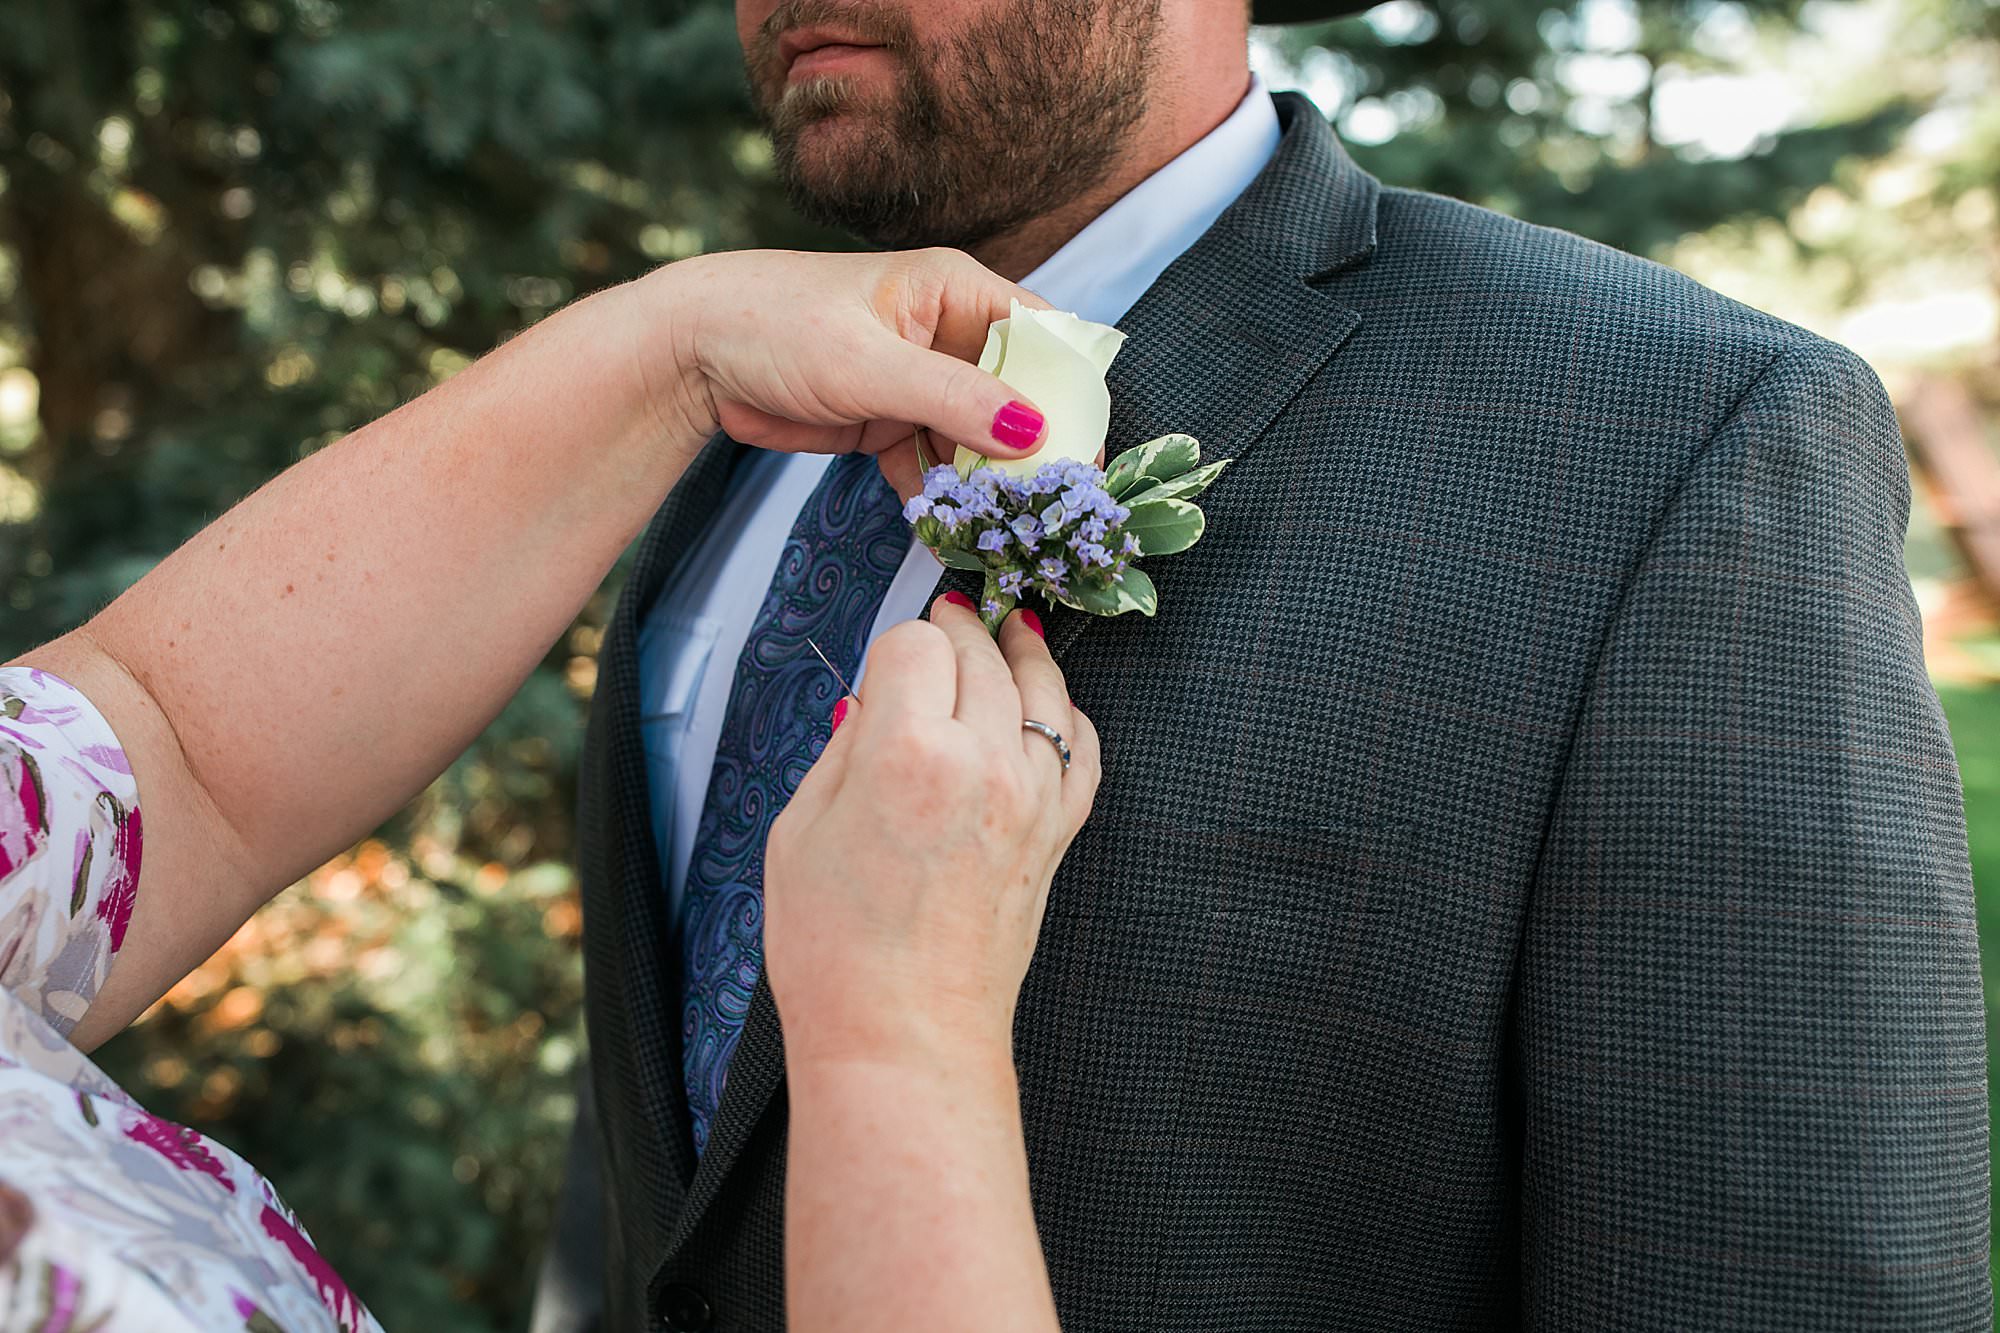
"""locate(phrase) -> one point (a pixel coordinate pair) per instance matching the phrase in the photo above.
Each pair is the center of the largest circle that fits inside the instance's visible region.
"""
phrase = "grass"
(1974, 713)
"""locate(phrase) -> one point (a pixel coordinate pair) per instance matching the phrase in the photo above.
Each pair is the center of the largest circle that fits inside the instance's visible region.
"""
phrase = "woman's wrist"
(936, 1038)
(654, 317)
(853, 1000)
(963, 1078)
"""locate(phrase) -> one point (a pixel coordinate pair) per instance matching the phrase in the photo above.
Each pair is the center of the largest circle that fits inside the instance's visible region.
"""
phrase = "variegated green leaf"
(1124, 470)
(1097, 601)
(1136, 593)
(1171, 456)
(1188, 485)
(957, 559)
(1163, 527)
(1160, 459)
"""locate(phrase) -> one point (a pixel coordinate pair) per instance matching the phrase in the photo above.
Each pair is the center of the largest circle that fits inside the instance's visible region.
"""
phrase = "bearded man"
(1529, 884)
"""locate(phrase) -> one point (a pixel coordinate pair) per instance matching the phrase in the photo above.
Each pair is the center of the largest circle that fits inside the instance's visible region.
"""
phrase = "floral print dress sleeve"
(69, 846)
(110, 1218)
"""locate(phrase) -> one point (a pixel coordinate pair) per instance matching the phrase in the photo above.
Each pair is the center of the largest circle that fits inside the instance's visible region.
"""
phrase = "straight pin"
(831, 667)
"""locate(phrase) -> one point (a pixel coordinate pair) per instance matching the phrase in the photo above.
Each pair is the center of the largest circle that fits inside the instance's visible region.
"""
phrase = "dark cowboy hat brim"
(1305, 11)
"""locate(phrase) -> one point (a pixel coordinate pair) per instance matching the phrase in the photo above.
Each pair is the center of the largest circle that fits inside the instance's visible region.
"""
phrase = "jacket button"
(683, 1309)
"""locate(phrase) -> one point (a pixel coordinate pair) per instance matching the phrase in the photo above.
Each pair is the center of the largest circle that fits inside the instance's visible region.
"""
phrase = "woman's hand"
(831, 353)
(904, 887)
(905, 882)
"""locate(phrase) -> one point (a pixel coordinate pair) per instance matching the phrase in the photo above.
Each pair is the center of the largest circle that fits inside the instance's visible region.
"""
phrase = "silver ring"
(1055, 738)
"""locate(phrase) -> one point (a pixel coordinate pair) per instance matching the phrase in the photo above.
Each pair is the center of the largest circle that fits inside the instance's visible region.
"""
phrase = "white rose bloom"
(1057, 362)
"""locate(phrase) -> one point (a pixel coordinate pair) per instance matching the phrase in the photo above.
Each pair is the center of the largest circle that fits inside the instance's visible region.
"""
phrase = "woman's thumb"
(959, 401)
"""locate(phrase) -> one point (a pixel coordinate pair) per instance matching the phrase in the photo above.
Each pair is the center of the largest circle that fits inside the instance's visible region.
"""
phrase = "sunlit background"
(228, 234)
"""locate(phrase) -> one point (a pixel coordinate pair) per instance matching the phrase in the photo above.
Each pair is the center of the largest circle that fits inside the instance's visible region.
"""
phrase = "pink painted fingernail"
(1033, 622)
(840, 712)
(1017, 425)
(961, 600)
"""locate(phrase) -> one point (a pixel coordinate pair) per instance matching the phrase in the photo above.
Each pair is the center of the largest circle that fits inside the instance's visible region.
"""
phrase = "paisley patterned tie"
(843, 552)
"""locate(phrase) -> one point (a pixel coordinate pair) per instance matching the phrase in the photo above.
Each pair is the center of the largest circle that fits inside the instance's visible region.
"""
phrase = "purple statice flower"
(1051, 531)
(975, 497)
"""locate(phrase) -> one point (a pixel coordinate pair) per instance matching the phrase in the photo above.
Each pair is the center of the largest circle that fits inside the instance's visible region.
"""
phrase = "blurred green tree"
(230, 232)
(237, 230)
(1550, 112)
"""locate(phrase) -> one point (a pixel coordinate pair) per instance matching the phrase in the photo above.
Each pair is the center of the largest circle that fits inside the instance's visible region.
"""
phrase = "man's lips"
(826, 59)
(810, 51)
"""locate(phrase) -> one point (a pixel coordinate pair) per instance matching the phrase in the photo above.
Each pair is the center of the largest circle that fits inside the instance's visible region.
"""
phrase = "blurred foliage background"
(230, 232)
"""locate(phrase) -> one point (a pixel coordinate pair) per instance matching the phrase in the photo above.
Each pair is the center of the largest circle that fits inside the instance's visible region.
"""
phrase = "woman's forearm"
(297, 672)
(904, 888)
(906, 1199)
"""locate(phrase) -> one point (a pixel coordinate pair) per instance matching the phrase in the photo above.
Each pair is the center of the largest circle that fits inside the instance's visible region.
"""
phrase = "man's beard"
(1016, 114)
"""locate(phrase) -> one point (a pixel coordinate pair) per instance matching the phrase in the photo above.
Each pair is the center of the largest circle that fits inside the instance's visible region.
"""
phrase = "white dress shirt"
(693, 635)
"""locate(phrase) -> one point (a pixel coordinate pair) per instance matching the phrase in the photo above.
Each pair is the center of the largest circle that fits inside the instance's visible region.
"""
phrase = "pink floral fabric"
(111, 1218)
(69, 846)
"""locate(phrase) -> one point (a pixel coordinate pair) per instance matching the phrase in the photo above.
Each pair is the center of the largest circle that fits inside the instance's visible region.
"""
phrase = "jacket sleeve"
(1749, 1034)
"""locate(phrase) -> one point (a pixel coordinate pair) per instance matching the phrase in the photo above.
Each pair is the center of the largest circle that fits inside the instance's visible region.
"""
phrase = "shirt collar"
(1104, 269)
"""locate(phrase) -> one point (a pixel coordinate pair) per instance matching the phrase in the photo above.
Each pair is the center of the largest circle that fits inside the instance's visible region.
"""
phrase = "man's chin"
(832, 154)
(848, 125)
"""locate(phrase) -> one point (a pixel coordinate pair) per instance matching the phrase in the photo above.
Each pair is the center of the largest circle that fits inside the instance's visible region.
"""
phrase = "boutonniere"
(1055, 523)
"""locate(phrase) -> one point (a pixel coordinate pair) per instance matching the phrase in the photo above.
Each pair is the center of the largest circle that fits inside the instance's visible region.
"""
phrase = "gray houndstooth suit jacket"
(1529, 885)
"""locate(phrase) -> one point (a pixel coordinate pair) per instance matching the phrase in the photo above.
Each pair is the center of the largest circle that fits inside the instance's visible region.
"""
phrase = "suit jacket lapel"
(1236, 326)
(755, 1071)
(643, 931)
(1230, 332)
(1216, 356)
